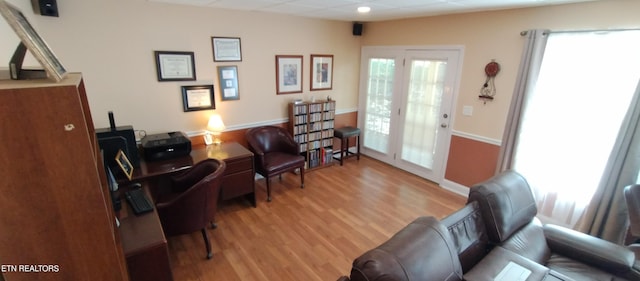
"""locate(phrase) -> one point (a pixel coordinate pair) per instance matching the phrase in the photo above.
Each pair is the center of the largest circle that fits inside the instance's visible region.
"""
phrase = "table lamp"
(214, 129)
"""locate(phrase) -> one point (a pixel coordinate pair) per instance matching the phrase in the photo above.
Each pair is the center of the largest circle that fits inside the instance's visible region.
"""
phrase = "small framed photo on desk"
(124, 164)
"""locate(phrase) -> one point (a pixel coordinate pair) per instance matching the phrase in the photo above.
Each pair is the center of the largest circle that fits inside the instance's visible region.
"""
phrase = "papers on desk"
(513, 272)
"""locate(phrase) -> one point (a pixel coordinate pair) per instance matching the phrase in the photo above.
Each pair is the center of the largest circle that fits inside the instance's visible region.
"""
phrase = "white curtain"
(607, 213)
(570, 117)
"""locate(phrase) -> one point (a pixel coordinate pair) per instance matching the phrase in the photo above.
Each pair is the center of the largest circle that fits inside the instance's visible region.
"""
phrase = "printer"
(165, 146)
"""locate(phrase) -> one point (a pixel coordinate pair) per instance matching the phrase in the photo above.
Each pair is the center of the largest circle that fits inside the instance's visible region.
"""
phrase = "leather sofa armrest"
(588, 249)
(343, 278)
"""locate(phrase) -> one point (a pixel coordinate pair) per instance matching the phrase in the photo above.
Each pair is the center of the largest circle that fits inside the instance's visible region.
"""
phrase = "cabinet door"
(56, 212)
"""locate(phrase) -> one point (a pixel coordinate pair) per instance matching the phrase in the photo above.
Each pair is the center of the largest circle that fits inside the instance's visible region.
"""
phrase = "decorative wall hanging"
(288, 74)
(488, 89)
(321, 72)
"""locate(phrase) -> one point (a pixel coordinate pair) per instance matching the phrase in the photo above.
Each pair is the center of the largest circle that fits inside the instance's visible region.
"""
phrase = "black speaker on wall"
(45, 7)
(357, 29)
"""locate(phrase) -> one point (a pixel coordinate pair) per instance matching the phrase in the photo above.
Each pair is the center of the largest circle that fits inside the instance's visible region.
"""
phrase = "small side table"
(344, 134)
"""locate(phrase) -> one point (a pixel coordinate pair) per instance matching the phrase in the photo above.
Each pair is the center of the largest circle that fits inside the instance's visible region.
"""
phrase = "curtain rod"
(524, 32)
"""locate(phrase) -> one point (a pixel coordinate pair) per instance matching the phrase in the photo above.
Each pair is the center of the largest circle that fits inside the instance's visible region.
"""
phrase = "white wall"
(112, 43)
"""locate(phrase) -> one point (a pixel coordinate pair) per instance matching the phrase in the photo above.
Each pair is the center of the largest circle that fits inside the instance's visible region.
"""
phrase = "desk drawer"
(234, 185)
(238, 165)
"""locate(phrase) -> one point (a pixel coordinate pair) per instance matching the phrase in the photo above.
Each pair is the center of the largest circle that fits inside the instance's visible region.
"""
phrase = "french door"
(406, 99)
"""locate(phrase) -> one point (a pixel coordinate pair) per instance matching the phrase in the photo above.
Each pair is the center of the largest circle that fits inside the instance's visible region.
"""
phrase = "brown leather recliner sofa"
(496, 236)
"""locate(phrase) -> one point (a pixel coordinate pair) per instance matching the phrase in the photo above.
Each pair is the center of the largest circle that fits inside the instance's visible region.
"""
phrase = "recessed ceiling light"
(364, 10)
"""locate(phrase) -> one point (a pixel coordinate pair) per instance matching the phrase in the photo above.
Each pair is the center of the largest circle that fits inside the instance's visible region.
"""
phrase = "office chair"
(275, 153)
(192, 203)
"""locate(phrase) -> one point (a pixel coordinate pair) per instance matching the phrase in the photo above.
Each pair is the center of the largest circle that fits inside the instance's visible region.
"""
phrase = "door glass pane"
(425, 90)
(378, 107)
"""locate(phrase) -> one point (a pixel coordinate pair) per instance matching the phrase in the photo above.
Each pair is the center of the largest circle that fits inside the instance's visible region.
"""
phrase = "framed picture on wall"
(288, 74)
(175, 66)
(228, 80)
(198, 98)
(321, 72)
(226, 49)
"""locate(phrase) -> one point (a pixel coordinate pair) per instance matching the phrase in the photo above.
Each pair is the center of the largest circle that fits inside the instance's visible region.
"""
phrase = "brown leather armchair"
(275, 153)
(192, 203)
(508, 210)
(632, 198)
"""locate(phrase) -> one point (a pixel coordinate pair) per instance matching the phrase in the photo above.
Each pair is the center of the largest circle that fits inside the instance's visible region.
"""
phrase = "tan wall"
(112, 43)
(486, 36)
(496, 35)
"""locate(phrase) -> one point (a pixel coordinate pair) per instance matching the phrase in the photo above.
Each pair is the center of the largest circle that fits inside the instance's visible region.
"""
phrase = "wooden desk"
(143, 240)
(238, 179)
(144, 244)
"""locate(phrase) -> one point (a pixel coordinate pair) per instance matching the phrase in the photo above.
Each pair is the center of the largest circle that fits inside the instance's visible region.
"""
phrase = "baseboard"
(455, 187)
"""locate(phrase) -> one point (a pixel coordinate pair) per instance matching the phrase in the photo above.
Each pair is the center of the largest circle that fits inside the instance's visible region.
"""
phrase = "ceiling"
(345, 10)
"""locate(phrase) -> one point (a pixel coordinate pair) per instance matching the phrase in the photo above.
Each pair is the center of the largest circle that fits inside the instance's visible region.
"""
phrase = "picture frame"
(124, 163)
(175, 66)
(226, 49)
(198, 97)
(30, 40)
(288, 74)
(228, 81)
(321, 72)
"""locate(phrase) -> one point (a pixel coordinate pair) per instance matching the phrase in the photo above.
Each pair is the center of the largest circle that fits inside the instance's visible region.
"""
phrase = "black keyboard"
(138, 201)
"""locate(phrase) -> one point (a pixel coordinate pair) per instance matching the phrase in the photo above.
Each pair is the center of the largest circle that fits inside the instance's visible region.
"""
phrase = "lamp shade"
(215, 124)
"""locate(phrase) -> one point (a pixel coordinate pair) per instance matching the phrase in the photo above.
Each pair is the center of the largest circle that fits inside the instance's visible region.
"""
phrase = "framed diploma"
(198, 98)
(228, 80)
(226, 49)
(175, 66)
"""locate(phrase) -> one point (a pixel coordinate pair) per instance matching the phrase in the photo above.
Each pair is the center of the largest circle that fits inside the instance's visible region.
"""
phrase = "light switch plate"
(467, 110)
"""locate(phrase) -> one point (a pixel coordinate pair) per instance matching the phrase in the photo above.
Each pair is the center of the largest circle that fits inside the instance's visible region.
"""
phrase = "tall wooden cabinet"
(312, 125)
(56, 218)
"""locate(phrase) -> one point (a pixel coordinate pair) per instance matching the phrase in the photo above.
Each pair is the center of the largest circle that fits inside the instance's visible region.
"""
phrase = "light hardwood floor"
(312, 233)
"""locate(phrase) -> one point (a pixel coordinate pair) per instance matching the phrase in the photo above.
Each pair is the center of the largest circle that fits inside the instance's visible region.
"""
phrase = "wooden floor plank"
(310, 233)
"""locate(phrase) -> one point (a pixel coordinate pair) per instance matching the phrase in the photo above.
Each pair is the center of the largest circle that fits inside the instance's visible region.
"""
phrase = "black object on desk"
(138, 201)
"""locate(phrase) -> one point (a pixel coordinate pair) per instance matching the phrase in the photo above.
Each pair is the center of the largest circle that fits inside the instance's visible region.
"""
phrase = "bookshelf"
(312, 125)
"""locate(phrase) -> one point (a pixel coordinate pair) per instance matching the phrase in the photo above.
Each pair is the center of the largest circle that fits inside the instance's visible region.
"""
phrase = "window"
(572, 117)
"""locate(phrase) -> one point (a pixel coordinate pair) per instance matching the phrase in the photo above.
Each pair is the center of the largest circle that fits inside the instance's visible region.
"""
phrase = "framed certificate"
(228, 80)
(175, 66)
(226, 49)
(198, 98)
